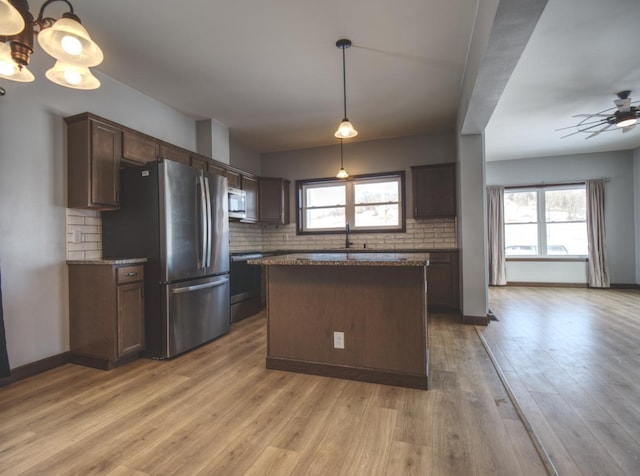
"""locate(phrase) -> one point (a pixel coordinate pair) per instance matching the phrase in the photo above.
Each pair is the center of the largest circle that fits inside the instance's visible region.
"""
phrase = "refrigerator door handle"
(203, 223)
(209, 220)
(198, 287)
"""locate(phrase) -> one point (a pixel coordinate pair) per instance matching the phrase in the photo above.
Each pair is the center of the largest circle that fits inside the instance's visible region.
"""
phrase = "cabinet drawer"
(130, 274)
(440, 257)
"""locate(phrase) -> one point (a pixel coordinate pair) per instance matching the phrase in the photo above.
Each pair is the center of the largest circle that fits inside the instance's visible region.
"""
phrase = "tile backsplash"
(86, 227)
(84, 234)
(420, 234)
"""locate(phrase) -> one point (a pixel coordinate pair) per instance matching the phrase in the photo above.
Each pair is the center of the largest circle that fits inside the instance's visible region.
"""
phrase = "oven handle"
(197, 287)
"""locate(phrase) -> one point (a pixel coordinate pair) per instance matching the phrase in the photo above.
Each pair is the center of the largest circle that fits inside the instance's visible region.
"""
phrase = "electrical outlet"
(77, 236)
(338, 340)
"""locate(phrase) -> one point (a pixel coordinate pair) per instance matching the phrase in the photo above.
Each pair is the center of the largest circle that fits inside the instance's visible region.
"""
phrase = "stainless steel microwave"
(237, 203)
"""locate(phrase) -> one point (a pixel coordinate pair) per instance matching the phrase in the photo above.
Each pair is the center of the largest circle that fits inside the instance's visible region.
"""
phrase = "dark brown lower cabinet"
(443, 283)
(106, 313)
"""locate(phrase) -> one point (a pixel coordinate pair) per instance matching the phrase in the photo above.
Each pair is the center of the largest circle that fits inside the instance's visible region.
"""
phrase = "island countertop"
(345, 259)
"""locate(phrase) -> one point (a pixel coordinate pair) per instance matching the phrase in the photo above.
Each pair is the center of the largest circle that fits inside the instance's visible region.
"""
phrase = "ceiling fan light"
(11, 22)
(345, 130)
(10, 70)
(627, 121)
(72, 76)
(68, 41)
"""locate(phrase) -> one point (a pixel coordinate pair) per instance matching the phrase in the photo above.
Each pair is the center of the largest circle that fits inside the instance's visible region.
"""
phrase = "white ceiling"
(580, 55)
(270, 70)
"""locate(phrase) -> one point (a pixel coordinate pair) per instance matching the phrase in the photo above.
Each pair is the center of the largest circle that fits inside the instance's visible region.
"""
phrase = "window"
(545, 221)
(367, 202)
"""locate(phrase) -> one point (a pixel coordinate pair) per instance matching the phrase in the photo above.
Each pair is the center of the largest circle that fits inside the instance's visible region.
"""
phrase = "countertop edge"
(109, 261)
(342, 259)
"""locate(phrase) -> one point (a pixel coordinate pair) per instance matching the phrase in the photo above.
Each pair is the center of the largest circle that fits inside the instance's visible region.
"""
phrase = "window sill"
(548, 258)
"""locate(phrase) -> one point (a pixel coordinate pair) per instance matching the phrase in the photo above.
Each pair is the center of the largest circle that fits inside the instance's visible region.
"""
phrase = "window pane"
(377, 215)
(326, 218)
(331, 195)
(520, 207)
(565, 205)
(567, 238)
(376, 192)
(521, 239)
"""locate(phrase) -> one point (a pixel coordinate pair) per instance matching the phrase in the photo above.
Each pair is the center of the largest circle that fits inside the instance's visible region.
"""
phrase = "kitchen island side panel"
(380, 309)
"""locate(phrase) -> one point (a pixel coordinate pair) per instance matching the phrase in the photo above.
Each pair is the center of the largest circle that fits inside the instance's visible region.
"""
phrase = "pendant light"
(345, 129)
(342, 173)
(65, 39)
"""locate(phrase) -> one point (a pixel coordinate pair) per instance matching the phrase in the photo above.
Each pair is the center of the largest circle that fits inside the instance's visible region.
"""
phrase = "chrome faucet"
(347, 243)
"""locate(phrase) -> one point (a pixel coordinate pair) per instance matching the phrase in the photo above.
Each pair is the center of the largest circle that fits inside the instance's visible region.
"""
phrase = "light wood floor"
(572, 358)
(218, 411)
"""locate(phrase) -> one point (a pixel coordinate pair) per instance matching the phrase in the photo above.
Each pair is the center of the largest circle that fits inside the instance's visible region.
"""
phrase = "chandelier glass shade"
(11, 22)
(65, 39)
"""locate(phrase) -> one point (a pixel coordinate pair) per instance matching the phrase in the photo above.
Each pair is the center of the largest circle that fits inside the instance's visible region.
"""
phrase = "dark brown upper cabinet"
(138, 148)
(250, 186)
(94, 149)
(171, 152)
(434, 191)
(234, 178)
(273, 200)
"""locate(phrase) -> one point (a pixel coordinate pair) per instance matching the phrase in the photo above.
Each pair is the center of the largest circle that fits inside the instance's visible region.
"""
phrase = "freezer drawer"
(198, 312)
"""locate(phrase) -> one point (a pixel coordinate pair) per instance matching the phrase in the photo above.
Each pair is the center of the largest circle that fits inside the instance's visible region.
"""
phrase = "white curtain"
(598, 268)
(495, 226)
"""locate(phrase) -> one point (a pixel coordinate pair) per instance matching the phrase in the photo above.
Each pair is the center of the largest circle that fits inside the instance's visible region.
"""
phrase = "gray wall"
(33, 197)
(385, 155)
(244, 158)
(619, 196)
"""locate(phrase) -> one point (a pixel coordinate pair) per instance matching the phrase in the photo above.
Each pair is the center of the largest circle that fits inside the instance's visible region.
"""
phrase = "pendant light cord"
(344, 83)
(341, 160)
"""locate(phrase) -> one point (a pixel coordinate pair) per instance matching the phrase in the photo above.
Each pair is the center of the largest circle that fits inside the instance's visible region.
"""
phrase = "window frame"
(541, 221)
(349, 202)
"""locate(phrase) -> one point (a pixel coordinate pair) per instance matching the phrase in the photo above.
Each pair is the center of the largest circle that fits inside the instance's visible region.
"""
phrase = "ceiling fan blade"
(572, 134)
(583, 129)
(599, 131)
(624, 105)
(583, 125)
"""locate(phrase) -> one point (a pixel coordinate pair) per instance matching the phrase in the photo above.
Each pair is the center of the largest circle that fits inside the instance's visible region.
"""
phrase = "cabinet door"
(174, 153)
(434, 191)
(105, 165)
(250, 186)
(217, 169)
(273, 200)
(234, 179)
(442, 281)
(199, 162)
(130, 319)
(138, 148)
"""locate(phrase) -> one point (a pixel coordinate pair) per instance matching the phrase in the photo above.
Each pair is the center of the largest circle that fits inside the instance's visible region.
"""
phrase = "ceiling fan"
(624, 116)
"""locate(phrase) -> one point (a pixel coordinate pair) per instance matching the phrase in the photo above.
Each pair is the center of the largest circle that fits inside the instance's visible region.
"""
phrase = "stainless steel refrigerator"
(177, 217)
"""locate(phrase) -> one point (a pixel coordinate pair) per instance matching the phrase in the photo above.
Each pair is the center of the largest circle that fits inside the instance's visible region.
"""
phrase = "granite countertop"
(109, 261)
(345, 259)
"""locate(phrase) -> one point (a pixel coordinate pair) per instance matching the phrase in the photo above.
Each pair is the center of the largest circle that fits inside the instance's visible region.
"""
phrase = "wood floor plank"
(574, 366)
(218, 410)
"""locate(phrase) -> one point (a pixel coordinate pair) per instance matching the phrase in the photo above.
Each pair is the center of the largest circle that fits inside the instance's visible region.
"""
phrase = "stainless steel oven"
(245, 286)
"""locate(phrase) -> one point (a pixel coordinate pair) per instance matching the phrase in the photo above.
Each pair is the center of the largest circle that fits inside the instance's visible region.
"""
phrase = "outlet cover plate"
(338, 340)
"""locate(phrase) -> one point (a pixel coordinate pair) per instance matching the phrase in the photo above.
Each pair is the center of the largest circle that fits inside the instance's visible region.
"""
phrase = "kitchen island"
(360, 316)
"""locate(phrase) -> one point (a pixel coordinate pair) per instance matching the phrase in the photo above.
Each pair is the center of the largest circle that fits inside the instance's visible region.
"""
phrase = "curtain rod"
(552, 184)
